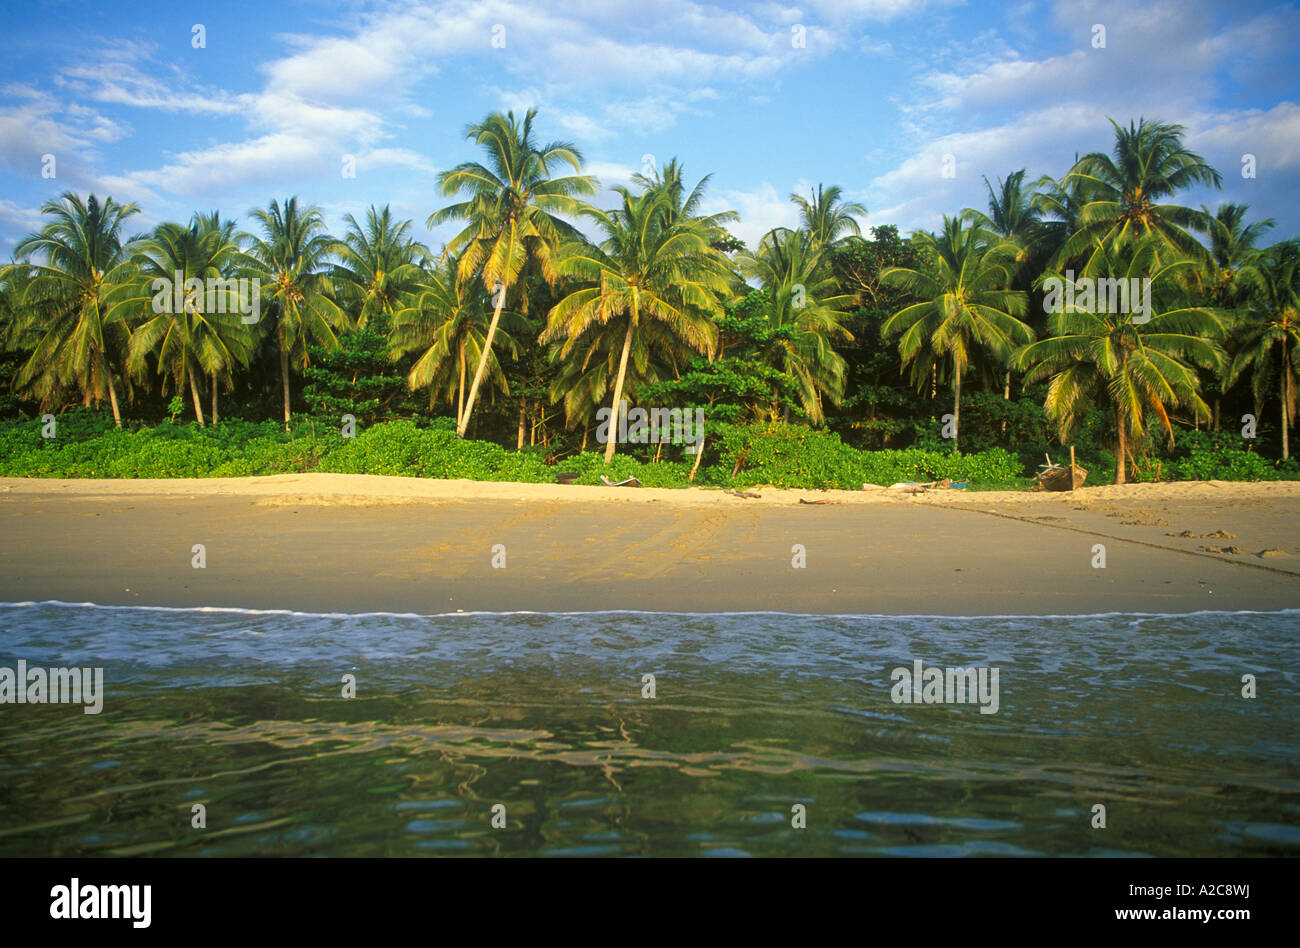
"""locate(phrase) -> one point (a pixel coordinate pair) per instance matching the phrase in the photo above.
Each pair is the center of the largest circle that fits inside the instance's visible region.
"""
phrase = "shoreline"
(369, 544)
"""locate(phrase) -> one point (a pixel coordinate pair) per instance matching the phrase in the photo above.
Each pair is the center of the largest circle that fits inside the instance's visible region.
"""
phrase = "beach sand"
(354, 543)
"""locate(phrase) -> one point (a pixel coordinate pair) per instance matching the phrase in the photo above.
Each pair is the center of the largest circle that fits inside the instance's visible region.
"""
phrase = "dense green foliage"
(86, 444)
(821, 357)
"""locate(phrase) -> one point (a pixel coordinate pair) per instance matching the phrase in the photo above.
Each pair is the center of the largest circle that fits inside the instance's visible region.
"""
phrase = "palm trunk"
(698, 457)
(284, 380)
(1286, 402)
(198, 402)
(214, 398)
(956, 404)
(1006, 396)
(112, 392)
(519, 443)
(618, 384)
(1121, 453)
(463, 422)
(460, 388)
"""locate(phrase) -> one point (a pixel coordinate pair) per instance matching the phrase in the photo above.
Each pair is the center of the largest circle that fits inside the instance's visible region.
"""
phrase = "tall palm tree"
(1273, 322)
(806, 299)
(205, 335)
(378, 263)
(1130, 368)
(289, 258)
(80, 257)
(446, 321)
(510, 214)
(826, 218)
(963, 304)
(646, 269)
(1148, 163)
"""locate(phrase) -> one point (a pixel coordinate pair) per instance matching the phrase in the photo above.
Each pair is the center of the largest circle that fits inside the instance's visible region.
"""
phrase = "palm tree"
(510, 214)
(64, 300)
(647, 268)
(1227, 275)
(378, 262)
(1233, 251)
(1131, 368)
(806, 299)
(290, 261)
(1273, 321)
(963, 303)
(205, 334)
(1013, 217)
(680, 205)
(446, 321)
(826, 219)
(1148, 163)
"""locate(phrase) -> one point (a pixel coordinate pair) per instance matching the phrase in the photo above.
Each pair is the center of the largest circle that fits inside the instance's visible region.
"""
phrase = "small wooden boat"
(1055, 477)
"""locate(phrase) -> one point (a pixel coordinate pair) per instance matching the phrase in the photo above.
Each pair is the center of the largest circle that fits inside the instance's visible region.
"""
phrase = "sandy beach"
(348, 543)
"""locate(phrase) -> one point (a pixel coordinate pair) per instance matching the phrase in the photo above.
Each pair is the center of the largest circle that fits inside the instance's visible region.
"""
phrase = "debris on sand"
(1216, 535)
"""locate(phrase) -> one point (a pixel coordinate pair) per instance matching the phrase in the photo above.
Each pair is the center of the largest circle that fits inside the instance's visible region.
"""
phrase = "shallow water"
(753, 713)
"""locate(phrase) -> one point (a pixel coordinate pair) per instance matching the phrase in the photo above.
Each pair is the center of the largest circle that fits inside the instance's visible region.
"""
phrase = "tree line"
(1095, 295)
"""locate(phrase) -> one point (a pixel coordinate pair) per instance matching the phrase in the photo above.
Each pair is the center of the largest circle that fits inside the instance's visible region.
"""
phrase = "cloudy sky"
(768, 97)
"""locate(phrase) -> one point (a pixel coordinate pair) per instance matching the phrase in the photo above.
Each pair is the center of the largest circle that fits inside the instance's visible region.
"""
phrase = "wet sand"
(352, 543)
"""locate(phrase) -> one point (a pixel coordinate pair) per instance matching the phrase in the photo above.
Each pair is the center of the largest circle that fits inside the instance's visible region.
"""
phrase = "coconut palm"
(585, 375)
(1129, 368)
(1148, 163)
(80, 257)
(680, 204)
(647, 269)
(446, 321)
(1233, 252)
(963, 304)
(827, 219)
(378, 263)
(806, 299)
(201, 335)
(1270, 333)
(1013, 217)
(290, 261)
(510, 214)
(1012, 214)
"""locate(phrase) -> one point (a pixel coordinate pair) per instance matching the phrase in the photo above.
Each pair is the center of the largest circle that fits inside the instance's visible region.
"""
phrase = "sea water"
(233, 732)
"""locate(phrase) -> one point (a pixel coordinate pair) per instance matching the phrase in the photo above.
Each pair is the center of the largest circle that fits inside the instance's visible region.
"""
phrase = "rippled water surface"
(242, 712)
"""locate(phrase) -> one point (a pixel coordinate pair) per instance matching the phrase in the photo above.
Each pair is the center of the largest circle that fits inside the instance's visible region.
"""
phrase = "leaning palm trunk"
(194, 393)
(618, 386)
(214, 398)
(463, 422)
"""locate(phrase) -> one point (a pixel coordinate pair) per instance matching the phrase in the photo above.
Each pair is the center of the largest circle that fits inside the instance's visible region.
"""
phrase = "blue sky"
(874, 98)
